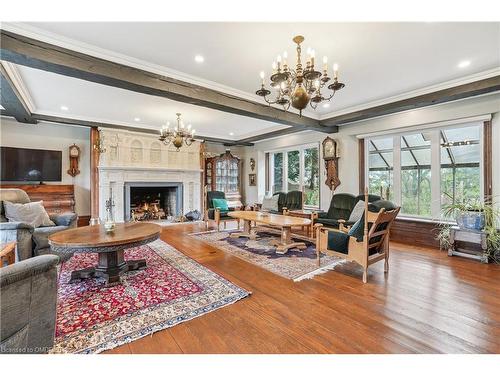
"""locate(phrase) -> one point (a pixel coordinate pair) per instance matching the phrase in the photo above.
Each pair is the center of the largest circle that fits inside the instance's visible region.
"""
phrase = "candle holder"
(109, 223)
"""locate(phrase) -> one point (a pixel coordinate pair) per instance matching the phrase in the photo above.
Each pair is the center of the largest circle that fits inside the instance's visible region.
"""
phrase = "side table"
(468, 236)
(7, 254)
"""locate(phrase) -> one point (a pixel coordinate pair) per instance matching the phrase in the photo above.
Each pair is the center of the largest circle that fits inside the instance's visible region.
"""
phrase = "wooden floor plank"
(428, 303)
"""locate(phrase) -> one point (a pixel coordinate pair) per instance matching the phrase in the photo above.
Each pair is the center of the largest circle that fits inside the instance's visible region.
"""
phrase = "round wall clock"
(74, 157)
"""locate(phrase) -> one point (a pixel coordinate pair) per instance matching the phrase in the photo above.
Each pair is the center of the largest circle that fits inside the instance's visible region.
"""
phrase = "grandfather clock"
(331, 158)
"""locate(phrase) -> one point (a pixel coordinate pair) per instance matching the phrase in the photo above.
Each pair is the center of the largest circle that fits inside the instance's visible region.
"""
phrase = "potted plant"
(473, 215)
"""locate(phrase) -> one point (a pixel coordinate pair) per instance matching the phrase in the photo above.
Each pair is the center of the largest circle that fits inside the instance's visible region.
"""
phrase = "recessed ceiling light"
(199, 59)
(464, 64)
(137, 119)
(326, 105)
(64, 108)
(231, 133)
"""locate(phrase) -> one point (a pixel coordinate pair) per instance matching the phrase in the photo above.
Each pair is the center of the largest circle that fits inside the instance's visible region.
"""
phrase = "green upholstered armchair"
(340, 209)
(366, 242)
(293, 200)
(215, 214)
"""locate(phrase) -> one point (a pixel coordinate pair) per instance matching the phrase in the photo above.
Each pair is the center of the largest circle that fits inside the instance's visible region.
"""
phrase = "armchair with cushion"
(341, 207)
(293, 200)
(28, 296)
(30, 241)
(366, 242)
(216, 210)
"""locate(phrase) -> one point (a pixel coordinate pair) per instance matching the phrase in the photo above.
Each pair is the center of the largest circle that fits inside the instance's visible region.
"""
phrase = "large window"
(424, 170)
(300, 166)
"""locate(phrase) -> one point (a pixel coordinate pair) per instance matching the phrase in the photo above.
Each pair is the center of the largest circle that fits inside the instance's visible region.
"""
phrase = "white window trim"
(284, 151)
(435, 162)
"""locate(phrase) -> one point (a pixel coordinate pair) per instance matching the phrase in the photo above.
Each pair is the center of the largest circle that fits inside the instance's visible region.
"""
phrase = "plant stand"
(469, 236)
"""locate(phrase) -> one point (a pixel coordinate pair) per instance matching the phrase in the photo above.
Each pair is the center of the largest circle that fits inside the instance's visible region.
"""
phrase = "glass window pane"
(416, 175)
(311, 176)
(293, 173)
(380, 174)
(277, 172)
(460, 173)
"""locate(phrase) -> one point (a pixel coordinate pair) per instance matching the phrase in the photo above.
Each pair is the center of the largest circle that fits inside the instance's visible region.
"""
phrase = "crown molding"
(88, 49)
(410, 94)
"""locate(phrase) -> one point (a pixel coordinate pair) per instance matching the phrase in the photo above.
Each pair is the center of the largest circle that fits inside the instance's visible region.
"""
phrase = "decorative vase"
(471, 220)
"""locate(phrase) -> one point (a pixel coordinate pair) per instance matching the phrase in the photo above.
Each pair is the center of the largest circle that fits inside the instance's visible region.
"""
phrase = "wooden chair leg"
(238, 221)
(365, 275)
(218, 226)
(386, 262)
(224, 224)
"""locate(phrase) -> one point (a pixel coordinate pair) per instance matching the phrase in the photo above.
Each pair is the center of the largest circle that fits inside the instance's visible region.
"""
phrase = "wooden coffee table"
(284, 222)
(109, 246)
(306, 214)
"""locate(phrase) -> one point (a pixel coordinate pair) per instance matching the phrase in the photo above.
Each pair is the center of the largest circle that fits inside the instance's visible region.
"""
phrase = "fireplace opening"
(153, 202)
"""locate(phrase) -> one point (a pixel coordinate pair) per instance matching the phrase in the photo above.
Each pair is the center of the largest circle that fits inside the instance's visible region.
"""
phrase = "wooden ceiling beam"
(33, 53)
(93, 124)
(12, 100)
(282, 132)
(480, 87)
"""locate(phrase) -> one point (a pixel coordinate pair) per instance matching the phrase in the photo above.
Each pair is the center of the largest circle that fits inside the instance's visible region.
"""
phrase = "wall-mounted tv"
(23, 164)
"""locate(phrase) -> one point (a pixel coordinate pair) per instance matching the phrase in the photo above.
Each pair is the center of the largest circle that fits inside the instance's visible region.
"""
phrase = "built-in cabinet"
(223, 173)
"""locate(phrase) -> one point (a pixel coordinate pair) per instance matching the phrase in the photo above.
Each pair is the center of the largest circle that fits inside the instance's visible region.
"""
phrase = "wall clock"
(74, 158)
(331, 158)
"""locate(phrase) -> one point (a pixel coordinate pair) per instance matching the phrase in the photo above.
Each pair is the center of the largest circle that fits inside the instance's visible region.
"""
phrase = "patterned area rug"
(295, 264)
(172, 288)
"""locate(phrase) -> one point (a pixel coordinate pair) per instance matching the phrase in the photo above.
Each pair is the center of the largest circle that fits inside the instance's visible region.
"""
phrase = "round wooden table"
(109, 246)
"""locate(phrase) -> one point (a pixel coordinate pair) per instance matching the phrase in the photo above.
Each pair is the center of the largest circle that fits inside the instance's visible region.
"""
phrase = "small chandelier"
(177, 136)
(301, 86)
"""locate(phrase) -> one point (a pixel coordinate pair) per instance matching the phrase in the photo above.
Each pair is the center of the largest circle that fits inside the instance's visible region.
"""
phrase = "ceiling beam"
(93, 124)
(12, 100)
(33, 53)
(483, 86)
(282, 132)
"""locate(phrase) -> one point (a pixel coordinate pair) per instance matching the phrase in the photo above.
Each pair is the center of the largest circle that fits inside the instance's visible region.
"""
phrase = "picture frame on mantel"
(252, 179)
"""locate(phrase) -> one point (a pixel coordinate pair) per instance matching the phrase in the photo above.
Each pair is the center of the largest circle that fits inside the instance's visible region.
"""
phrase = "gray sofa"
(28, 290)
(30, 241)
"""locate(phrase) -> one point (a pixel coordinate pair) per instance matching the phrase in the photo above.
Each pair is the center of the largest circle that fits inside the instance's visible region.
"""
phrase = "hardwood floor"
(428, 303)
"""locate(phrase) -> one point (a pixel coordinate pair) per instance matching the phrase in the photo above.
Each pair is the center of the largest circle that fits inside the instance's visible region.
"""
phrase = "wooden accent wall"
(361, 163)
(415, 232)
(94, 173)
(57, 199)
(488, 160)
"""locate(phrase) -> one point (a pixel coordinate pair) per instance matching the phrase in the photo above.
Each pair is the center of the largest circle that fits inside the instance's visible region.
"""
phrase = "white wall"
(55, 137)
(348, 163)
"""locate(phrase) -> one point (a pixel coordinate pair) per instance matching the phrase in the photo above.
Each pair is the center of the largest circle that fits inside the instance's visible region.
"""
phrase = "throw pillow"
(221, 204)
(32, 213)
(270, 203)
(358, 229)
(357, 211)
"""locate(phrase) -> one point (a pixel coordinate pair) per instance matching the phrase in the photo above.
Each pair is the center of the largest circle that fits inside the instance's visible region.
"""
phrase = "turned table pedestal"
(110, 247)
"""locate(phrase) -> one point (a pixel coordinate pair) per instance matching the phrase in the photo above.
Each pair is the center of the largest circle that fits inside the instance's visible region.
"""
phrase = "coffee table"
(284, 222)
(109, 246)
(306, 214)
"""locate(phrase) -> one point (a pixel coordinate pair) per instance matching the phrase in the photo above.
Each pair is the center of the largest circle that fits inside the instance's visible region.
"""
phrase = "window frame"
(435, 159)
(284, 151)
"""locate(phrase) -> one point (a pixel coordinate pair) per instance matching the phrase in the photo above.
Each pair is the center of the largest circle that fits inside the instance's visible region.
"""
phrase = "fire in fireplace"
(154, 202)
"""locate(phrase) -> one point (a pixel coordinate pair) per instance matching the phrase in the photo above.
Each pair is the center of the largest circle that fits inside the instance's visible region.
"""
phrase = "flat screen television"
(24, 164)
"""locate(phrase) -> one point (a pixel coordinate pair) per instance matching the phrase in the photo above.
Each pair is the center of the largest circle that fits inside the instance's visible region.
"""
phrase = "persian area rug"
(172, 289)
(296, 264)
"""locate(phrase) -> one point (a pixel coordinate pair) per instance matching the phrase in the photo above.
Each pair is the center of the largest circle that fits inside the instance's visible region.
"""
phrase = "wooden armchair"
(215, 213)
(365, 243)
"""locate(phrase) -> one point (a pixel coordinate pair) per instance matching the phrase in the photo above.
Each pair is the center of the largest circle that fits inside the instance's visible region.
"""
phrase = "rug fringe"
(318, 271)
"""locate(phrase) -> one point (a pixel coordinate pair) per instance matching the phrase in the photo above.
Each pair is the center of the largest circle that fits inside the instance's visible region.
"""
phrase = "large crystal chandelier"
(178, 136)
(301, 86)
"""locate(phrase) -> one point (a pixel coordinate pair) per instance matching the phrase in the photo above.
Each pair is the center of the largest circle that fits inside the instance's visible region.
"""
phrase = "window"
(301, 168)
(380, 167)
(423, 171)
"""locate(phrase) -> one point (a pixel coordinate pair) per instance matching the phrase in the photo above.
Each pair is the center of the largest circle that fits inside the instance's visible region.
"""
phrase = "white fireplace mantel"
(137, 157)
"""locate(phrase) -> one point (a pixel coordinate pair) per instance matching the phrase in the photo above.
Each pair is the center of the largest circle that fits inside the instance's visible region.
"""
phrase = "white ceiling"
(377, 61)
(94, 102)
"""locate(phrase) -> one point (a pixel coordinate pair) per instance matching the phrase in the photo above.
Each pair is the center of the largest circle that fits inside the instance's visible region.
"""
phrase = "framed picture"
(252, 179)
